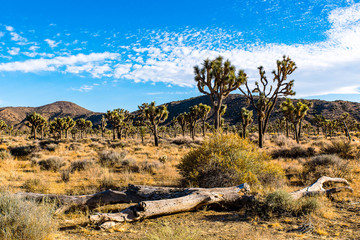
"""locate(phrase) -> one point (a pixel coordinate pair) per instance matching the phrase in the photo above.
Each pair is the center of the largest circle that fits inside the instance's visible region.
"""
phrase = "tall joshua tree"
(154, 116)
(218, 79)
(34, 121)
(204, 111)
(247, 119)
(268, 94)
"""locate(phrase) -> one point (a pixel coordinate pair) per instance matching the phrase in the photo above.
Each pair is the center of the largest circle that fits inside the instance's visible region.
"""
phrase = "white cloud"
(14, 51)
(17, 38)
(9, 28)
(52, 43)
(1, 34)
(53, 64)
(83, 88)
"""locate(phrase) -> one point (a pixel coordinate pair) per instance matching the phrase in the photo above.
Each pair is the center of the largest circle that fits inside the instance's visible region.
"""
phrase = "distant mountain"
(234, 102)
(16, 115)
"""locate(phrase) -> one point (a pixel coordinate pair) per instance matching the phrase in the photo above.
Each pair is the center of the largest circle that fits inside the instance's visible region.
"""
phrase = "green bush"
(228, 160)
(282, 203)
(24, 220)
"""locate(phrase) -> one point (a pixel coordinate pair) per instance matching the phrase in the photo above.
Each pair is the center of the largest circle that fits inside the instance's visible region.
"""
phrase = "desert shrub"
(75, 147)
(22, 151)
(107, 182)
(81, 165)
(117, 145)
(182, 140)
(282, 203)
(325, 165)
(52, 164)
(227, 160)
(131, 165)
(163, 159)
(49, 145)
(24, 220)
(111, 158)
(282, 140)
(343, 149)
(150, 167)
(4, 155)
(65, 175)
(35, 185)
(294, 152)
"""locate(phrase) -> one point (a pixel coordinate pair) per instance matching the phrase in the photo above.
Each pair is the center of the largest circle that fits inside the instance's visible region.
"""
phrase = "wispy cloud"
(84, 88)
(14, 51)
(52, 43)
(329, 66)
(55, 64)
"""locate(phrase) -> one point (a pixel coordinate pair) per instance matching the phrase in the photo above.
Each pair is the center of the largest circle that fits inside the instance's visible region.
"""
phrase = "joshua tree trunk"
(261, 139)
(156, 138)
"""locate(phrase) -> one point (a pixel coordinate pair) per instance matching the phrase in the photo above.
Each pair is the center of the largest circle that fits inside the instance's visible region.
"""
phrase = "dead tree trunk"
(158, 201)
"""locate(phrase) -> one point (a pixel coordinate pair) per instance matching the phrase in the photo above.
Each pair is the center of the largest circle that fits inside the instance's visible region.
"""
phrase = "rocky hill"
(16, 115)
(330, 109)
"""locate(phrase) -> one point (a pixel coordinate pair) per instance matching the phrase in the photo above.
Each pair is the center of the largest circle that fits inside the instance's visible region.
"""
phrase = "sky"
(112, 54)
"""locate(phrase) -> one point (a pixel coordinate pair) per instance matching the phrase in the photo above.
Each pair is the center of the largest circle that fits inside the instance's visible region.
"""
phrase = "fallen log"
(158, 201)
(233, 196)
(317, 188)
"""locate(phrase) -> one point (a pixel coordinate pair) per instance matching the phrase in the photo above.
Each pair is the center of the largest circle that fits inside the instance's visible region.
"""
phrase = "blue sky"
(119, 54)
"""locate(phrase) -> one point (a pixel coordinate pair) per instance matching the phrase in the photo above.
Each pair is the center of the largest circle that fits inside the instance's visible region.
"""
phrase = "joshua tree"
(220, 79)
(345, 118)
(69, 123)
(181, 120)
(268, 95)
(10, 128)
(103, 125)
(3, 125)
(318, 121)
(142, 131)
(192, 118)
(287, 108)
(58, 125)
(247, 119)
(124, 121)
(83, 125)
(299, 113)
(34, 121)
(204, 111)
(114, 118)
(154, 116)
